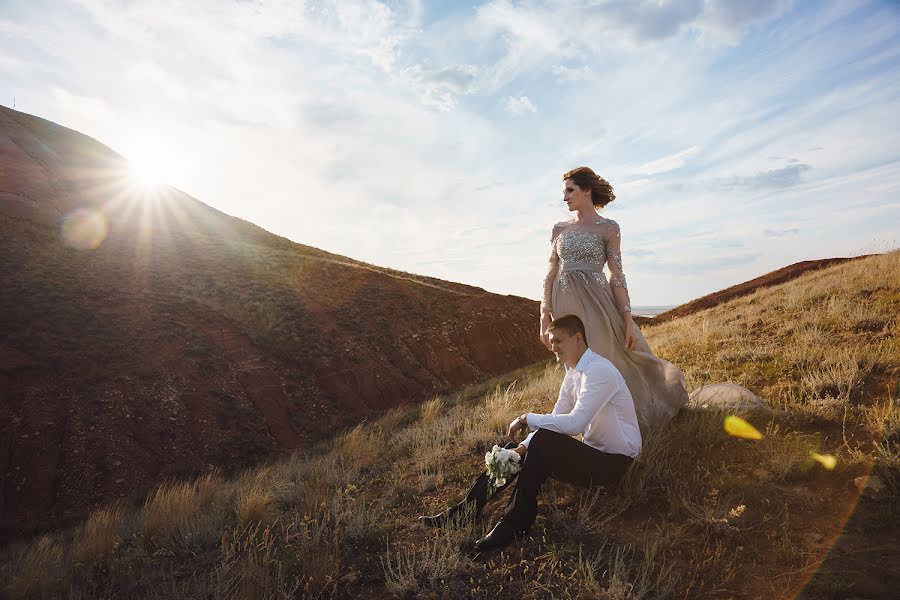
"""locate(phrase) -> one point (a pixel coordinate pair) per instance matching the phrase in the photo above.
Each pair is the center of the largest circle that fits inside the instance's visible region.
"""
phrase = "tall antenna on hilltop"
(14, 101)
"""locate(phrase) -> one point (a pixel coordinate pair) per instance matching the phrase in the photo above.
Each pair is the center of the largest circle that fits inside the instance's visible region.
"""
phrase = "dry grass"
(314, 481)
(38, 572)
(431, 409)
(167, 511)
(615, 573)
(416, 572)
(257, 506)
(290, 559)
(808, 346)
(700, 514)
(356, 449)
(99, 536)
(210, 488)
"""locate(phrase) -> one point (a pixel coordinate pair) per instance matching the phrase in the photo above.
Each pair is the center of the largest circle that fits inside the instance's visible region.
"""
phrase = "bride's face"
(575, 197)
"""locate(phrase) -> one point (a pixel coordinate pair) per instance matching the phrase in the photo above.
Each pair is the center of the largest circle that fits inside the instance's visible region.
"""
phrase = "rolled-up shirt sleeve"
(595, 393)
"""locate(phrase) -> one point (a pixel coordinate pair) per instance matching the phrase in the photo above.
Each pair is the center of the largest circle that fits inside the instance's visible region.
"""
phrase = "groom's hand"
(517, 424)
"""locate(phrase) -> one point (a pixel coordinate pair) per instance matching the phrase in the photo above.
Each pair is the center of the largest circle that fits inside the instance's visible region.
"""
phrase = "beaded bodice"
(580, 246)
(579, 255)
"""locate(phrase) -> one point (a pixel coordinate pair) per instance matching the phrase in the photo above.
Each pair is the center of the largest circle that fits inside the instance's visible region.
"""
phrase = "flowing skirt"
(656, 385)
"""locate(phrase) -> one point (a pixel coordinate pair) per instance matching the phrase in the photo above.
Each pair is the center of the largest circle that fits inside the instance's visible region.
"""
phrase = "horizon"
(421, 137)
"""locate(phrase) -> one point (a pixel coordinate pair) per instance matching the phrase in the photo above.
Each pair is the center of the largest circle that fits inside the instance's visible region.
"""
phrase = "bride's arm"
(617, 278)
(546, 300)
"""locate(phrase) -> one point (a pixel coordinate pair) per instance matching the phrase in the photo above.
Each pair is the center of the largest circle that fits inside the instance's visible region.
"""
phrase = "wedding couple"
(614, 385)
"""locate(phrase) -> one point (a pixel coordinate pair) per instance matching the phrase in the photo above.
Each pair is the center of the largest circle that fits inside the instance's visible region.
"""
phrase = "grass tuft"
(39, 571)
(411, 573)
(166, 511)
(256, 506)
(431, 409)
(99, 537)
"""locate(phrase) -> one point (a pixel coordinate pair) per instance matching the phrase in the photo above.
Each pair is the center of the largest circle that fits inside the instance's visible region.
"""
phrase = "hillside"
(745, 288)
(147, 335)
(700, 515)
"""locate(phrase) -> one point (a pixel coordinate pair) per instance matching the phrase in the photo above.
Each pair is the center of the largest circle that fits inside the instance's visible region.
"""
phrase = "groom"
(593, 401)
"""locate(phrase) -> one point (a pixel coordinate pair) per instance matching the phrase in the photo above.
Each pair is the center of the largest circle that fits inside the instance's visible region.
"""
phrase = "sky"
(431, 137)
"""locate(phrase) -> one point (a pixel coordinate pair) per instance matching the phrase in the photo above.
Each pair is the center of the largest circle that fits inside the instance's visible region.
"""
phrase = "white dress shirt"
(594, 401)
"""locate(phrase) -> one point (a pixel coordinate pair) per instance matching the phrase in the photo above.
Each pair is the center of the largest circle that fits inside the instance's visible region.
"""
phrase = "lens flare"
(826, 460)
(738, 427)
(84, 229)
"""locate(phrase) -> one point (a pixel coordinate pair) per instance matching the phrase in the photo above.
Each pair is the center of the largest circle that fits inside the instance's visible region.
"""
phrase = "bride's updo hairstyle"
(601, 192)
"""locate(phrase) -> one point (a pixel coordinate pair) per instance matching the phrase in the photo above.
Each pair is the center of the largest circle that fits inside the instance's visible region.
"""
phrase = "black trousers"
(564, 458)
(479, 492)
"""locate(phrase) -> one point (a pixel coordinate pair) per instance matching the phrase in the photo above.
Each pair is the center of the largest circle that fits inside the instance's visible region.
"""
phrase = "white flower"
(500, 464)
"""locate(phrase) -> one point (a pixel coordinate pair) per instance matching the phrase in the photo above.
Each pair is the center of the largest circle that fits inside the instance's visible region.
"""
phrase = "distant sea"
(649, 311)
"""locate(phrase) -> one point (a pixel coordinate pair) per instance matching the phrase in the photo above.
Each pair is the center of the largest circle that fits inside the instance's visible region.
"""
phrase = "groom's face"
(565, 346)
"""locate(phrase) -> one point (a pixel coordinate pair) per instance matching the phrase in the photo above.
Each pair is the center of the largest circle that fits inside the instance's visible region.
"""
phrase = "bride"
(576, 284)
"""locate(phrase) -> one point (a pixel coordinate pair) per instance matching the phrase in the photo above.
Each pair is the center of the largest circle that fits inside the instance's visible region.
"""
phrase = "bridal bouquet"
(500, 465)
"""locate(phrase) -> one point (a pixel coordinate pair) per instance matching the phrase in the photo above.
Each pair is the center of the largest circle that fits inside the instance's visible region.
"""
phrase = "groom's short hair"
(571, 324)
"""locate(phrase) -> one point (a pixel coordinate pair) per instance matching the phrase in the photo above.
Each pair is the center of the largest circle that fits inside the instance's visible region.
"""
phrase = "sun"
(150, 163)
(147, 172)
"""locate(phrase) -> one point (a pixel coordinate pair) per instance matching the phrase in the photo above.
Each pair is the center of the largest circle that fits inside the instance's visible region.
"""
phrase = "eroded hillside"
(147, 335)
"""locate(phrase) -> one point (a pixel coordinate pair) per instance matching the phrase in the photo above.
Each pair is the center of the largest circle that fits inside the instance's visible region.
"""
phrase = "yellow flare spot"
(738, 427)
(826, 460)
(84, 229)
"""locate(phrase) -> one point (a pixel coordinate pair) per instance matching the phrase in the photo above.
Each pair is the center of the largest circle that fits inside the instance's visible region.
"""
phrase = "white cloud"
(666, 163)
(519, 105)
(442, 87)
(11, 64)
(729, 17)
(383, 130)
(786, 176)
(530, 37)
(582, 73)
(781, 232)
(87, 107)
(539, 35)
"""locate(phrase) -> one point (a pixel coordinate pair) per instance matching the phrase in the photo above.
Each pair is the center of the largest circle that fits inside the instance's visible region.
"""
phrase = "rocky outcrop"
(727, 397)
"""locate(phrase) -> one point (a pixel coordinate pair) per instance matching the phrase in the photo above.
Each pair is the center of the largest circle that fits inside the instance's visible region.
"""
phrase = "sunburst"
(151, 164)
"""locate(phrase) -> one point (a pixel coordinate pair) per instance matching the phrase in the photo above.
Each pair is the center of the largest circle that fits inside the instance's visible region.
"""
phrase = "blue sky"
(431, 137)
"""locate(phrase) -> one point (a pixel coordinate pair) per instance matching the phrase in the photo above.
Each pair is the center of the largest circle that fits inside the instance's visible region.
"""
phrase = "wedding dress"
(576, 284)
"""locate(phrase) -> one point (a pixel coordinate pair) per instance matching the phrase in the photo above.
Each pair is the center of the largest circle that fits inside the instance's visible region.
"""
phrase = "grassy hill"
(745, 288)
(701, 514)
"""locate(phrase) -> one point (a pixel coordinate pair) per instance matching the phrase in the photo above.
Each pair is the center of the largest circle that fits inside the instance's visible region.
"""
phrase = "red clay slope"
(189, 339)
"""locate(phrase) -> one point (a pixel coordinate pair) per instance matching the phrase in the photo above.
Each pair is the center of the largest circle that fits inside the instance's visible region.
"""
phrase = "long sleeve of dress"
(552, 271)
(616, 272)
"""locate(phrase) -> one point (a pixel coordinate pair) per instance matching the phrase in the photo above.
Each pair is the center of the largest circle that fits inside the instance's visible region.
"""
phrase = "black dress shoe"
(500, 536)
